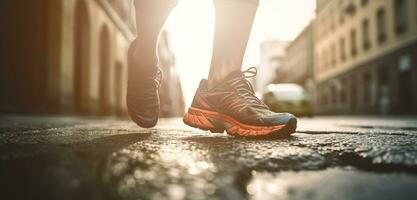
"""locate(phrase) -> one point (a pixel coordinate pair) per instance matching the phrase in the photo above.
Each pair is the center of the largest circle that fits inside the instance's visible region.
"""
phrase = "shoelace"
(146, 86)
(158, 78)
(245, 90)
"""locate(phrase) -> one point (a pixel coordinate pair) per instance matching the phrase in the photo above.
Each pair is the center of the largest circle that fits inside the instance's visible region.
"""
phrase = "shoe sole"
(218, 123)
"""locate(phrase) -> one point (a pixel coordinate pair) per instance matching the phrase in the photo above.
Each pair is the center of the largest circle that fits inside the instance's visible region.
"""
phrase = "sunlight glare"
(191, 27)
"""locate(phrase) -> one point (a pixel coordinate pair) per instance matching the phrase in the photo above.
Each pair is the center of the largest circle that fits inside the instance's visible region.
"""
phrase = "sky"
(191, 26)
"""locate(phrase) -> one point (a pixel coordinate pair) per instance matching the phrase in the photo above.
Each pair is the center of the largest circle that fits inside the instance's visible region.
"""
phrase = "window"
(341, 15)
(383, 75)
(342, 49)
(322, 97)
(353, 94)
(333, 54)
(400, 14)
(353, 47)
(341, 19)
(366, 42)
(350, 7)
(367, 88)
(341, 12)
(325, 98)
(322, 27)
(381, 25)
(332, 18)
(324, 60)
(383, 91)
(364, 2)
(328, 59)
(343, 91)
(333, 94)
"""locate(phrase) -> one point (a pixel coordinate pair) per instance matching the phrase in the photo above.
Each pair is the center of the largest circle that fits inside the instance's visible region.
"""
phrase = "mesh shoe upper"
(235, 97)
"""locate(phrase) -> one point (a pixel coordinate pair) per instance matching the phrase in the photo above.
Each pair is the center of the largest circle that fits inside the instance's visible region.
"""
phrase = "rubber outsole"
(218, 123)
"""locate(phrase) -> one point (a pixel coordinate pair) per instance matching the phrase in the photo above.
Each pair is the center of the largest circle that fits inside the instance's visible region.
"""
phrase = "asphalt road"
(90, 158)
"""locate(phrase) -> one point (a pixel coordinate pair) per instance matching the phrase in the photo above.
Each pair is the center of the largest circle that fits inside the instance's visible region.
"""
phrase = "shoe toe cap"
(281, 118)
(143, 110)
(145, 118)
(144, 121)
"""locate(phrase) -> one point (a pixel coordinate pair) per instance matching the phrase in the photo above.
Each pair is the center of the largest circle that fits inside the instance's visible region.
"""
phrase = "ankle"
(145, 57)
(211, 83)
(219, 72)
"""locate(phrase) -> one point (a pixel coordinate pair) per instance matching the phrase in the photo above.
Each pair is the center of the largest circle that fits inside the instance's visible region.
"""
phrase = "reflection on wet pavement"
(169, 169)
(331, 184)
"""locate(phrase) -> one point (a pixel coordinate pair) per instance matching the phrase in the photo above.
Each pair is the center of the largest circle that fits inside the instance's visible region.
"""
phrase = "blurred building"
(69, 56)
(271, 56)
(170, 93)
(298, 63)
(366, 56)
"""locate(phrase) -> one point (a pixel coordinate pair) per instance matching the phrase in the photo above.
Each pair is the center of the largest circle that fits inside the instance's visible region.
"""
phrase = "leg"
(234, 19)
(230, 105)
(144, 75)
(150, 18)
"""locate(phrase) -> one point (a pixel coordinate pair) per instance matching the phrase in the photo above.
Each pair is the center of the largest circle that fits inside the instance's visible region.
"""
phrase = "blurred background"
(314, 57)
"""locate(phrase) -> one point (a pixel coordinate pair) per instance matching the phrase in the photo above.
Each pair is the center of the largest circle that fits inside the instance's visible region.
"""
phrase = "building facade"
(67, 56)
(365, 56)
(272, 53)
(298, 63)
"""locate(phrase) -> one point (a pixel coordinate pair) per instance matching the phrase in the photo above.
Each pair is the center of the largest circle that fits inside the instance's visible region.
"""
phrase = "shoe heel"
(198, 120)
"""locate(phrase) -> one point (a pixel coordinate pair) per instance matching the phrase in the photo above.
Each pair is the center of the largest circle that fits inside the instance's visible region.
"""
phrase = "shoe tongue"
(232, 75)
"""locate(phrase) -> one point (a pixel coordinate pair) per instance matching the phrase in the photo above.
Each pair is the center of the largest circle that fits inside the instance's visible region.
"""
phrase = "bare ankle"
(218, 73)
(145, 56)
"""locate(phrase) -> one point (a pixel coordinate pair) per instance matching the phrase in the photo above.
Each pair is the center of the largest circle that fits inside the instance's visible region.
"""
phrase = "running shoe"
(142, 92)
(232, 106)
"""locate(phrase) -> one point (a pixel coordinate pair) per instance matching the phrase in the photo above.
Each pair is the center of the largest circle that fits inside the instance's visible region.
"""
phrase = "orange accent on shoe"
(198, 121)
(199, 118)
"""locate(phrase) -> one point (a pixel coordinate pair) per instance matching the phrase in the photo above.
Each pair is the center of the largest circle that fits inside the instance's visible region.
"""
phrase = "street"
(340, 157)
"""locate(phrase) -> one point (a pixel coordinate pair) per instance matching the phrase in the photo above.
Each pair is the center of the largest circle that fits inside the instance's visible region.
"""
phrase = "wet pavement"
(90, 158)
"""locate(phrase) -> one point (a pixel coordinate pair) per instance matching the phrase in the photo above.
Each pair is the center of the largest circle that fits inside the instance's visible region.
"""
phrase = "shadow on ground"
(60, 171)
